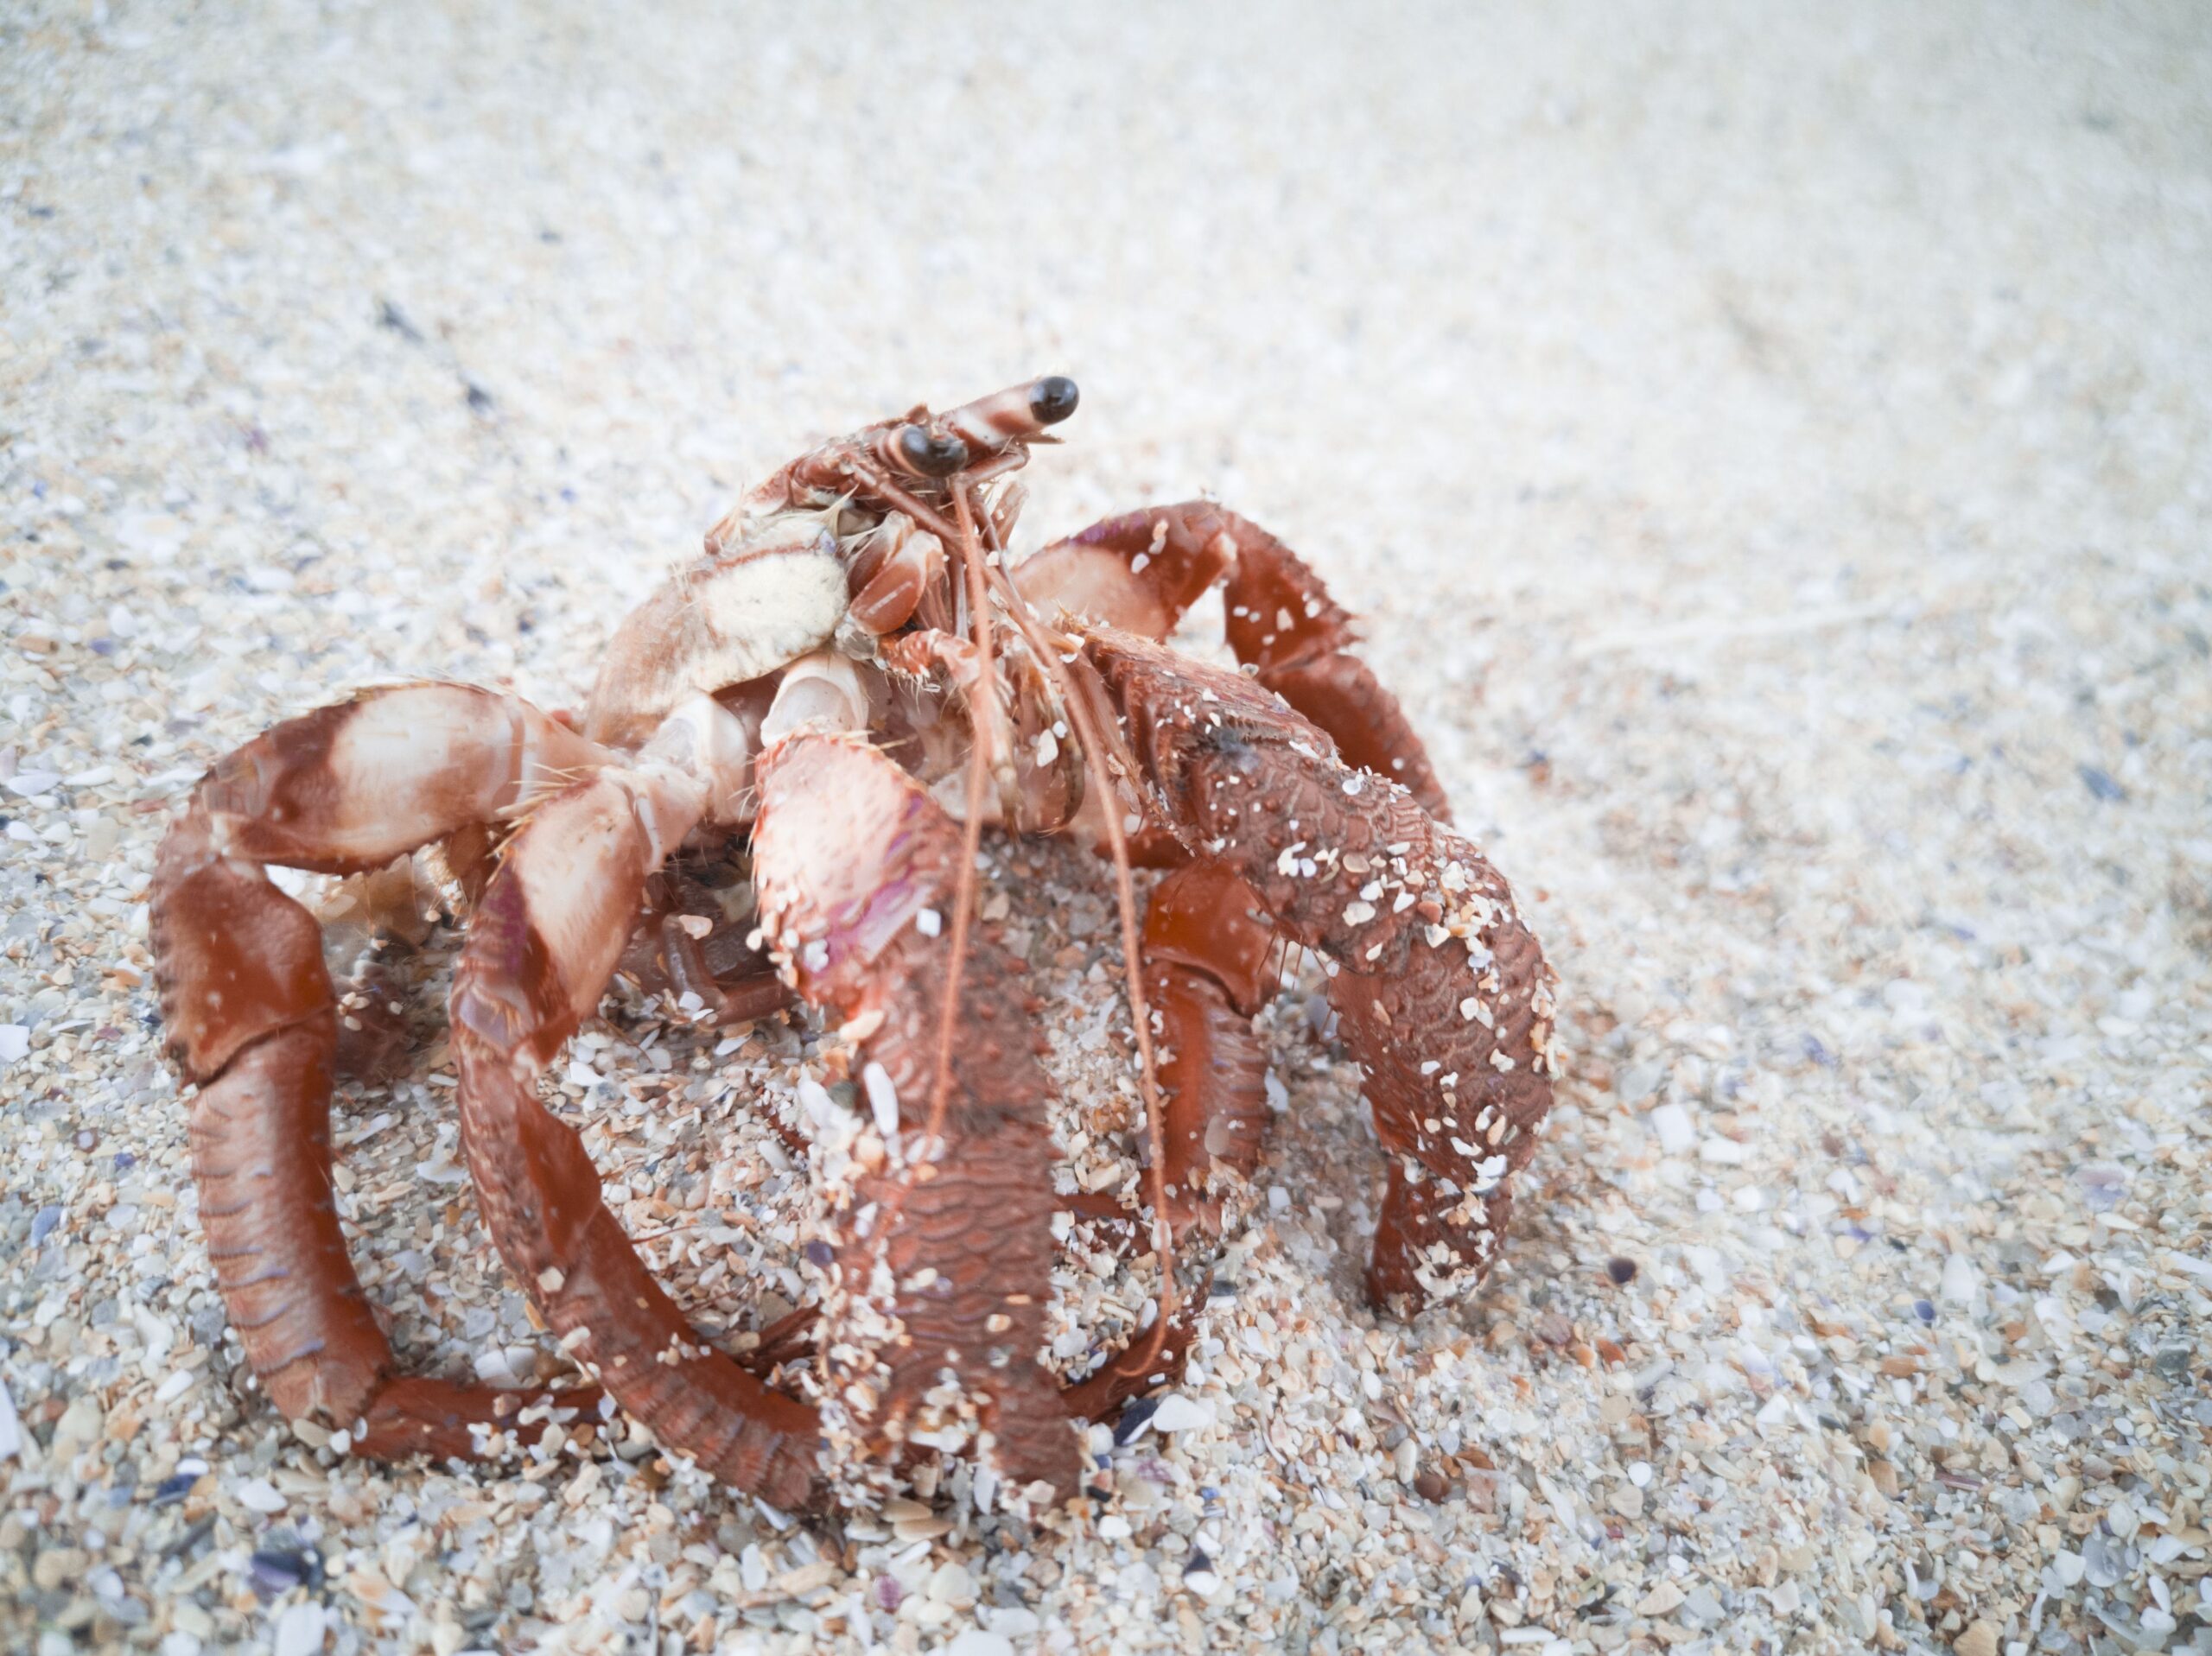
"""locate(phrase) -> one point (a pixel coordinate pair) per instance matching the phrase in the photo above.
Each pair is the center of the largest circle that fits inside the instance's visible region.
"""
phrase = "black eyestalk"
(932, 454)
(1053, 398)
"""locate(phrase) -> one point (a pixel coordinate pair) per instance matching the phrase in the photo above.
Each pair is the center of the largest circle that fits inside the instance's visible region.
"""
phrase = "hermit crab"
(853, 682)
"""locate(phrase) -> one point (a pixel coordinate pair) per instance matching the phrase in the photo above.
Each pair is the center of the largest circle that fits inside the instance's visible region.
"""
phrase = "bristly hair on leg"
(1088, 732)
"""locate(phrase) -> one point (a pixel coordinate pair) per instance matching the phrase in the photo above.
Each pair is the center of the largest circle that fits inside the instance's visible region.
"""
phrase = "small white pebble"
(1179, 1413)
(259, 1495)
(882, 1099)
(1958, 1280)
(1677, 1134)
(299, 1630)
(929, 923)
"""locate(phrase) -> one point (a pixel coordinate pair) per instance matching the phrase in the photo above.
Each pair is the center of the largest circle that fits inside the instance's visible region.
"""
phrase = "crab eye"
(930, 454)
(1051, 399)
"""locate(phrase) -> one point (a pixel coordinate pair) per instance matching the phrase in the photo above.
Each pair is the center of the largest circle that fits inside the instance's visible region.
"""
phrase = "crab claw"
(935, 1320)
(1444, 992)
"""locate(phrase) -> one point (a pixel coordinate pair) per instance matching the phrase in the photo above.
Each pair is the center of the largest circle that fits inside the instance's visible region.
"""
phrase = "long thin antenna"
(971, 829)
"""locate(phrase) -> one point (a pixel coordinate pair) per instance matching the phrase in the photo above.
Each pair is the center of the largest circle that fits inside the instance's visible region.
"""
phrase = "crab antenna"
(1092, 737)
(971, 829)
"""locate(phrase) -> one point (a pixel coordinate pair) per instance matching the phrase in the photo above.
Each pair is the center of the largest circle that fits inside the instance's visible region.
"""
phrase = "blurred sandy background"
(1769, 447)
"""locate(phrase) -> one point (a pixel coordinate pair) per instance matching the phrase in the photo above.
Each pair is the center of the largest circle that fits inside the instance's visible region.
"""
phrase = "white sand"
(1770, 453)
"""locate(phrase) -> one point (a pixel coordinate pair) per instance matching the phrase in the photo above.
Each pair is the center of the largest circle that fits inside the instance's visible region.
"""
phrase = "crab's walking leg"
(1443, 993)
(1140, 1369)
(252, 1018)
(541, 948)
(1140, 571)
(947, 1251)
(1209, 949)
(666, 953)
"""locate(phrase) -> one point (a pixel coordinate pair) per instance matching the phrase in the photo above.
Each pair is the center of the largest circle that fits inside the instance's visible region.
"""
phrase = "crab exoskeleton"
(855, 679)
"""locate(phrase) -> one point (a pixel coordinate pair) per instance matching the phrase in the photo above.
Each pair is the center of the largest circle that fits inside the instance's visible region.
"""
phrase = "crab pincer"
(1443, 993)
(932, 1327)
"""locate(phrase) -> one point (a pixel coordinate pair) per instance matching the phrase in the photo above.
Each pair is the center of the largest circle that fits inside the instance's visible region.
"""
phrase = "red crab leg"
(1140, 571)
(540, 949)
(947, 1250)
(1443, 991)
(1210, 946)
(252, 1018)
(1145, 1365)
(664, 954)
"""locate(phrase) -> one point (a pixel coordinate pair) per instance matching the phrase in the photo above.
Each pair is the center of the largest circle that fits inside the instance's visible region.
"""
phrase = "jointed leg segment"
(253, 1018)
(1140, 571)
(542, 946)
(1209, 950)
(1444, 994)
